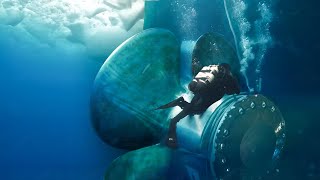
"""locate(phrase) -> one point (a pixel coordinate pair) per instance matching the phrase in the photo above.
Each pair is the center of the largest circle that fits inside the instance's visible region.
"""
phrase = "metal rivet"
(252, 105)
(221, 146)
(225, 132)
(264, 104)
(241, 110)
(273, 109)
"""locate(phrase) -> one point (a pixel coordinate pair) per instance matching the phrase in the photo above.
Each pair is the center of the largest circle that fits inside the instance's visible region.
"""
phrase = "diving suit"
(208, 86)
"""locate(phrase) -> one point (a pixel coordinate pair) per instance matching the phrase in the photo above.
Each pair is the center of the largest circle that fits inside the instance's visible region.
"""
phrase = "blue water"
(45, 128)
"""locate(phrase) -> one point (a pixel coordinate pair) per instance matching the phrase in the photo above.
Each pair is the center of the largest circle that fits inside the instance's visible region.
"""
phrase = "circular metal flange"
(247, 137)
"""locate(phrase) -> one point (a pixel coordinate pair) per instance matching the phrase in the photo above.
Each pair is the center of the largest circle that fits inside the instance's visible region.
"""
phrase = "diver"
(208, 86)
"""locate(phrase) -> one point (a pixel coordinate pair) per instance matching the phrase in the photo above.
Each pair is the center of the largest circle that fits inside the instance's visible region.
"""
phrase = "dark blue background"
(291, 77)
(45, 128)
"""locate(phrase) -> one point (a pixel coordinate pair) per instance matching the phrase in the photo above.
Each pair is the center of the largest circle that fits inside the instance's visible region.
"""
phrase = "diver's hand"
(176, 102)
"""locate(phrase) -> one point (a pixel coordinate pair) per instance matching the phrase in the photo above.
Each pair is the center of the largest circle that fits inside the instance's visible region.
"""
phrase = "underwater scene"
(159, 89)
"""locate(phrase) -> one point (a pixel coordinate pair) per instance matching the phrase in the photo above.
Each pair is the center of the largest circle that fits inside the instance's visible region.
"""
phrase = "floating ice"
(95, 26)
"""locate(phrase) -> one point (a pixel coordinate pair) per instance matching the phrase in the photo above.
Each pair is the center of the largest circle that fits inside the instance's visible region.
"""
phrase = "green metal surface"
(140, 75)
(147, 163)
(212, 48)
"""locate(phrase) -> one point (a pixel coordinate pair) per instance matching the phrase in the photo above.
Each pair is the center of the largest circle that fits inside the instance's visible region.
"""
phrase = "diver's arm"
(197, 86)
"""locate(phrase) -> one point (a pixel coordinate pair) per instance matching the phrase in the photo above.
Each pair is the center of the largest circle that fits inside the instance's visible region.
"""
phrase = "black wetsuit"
(205, 94)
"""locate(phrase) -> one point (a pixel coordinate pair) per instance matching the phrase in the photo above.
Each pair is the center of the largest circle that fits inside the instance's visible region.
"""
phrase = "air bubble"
(228, 169)
(223, 160)
(279, 142)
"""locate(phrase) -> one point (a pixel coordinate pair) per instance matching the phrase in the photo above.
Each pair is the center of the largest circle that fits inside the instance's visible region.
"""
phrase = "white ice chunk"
(92, 25)
(130, 17)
